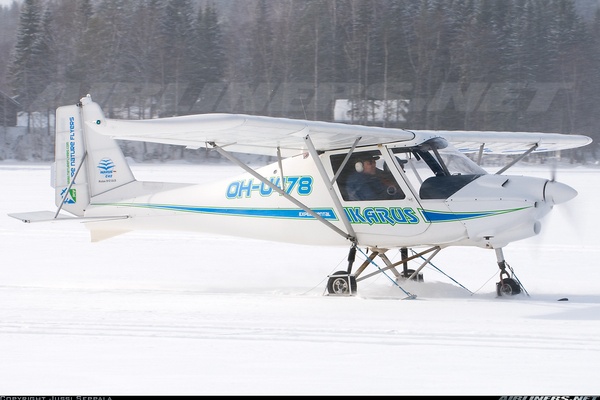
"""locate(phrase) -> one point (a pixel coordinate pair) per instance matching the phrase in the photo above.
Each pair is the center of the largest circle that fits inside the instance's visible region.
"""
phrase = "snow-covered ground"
(182, 313)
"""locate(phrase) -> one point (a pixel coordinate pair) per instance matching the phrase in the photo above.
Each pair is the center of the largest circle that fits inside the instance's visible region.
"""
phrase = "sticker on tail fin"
(107, 166)
(69, 169)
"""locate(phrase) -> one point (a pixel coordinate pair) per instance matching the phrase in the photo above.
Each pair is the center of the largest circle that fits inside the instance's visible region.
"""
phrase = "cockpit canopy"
(433, 168)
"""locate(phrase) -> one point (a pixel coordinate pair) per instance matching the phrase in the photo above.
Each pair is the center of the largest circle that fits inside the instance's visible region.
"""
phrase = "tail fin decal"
(69, 162)
(86, 163)
(107, 167)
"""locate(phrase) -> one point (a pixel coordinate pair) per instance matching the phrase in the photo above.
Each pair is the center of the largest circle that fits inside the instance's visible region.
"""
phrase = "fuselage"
(439, 198)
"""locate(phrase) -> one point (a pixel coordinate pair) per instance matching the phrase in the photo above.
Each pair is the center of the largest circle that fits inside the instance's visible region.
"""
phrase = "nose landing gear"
(507, 286)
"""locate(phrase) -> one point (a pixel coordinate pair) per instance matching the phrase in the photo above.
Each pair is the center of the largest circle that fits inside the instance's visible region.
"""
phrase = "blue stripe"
(443, 216)
(326, 213)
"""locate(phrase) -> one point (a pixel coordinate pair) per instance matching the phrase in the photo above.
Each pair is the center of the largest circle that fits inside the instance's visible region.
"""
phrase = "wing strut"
(339, 171)
(334, 197)
(480, 153)
(280, 168)
(281, 192)
(522, 156)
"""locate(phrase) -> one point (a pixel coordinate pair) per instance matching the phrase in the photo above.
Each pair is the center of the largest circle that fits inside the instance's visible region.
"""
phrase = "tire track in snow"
(302, 334)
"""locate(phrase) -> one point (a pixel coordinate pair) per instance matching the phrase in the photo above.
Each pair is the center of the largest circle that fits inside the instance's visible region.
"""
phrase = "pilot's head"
(366, 164)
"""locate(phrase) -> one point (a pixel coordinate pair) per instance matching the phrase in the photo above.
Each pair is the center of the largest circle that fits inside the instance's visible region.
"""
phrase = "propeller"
(557, 192)
(553, 168)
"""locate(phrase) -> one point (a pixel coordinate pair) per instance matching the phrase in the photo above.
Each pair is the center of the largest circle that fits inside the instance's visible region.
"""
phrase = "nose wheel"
(507, 286)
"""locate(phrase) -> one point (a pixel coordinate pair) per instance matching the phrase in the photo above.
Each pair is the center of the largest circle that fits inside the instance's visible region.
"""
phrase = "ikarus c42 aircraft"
(361, 187)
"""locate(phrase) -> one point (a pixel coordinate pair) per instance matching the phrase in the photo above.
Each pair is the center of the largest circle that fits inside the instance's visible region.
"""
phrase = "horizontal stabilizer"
(49, 216)
(40, 216)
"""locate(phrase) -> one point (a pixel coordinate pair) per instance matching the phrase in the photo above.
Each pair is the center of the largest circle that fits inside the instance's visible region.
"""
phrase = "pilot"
(370, 183)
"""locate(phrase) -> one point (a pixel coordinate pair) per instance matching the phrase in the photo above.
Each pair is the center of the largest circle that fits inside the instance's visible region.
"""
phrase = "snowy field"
(181, 313)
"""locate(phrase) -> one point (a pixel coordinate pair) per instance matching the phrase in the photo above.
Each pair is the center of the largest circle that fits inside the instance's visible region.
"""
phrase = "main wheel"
(507, 287)
(341, 283)
(406, 274)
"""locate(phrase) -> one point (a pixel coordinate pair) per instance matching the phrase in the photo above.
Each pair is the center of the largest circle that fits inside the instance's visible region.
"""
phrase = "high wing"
(270, 135)
(496, 142)
(248, 133)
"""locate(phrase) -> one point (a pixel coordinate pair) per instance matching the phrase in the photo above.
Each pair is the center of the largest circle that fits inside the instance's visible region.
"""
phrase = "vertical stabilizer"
(106, 164)
(86, 163)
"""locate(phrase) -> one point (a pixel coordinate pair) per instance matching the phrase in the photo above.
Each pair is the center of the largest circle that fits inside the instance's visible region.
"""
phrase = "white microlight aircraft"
(332, 184)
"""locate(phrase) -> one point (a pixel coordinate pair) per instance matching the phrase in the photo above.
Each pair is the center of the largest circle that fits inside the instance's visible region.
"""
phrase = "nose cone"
(556, 192)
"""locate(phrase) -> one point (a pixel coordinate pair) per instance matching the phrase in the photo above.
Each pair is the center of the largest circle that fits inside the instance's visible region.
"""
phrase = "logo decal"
(70, 158)
(71, 198)
(381, 215)
(106, 167)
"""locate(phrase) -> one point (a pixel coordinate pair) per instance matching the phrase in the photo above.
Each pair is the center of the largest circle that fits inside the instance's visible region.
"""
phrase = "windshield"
(435, 158)
(437, 170)
(459, 164)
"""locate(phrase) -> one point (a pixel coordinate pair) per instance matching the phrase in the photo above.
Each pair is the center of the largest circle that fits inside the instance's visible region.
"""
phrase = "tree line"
(511, 65)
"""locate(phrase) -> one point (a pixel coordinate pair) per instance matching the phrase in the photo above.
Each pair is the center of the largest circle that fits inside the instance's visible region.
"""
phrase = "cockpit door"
(384, 210)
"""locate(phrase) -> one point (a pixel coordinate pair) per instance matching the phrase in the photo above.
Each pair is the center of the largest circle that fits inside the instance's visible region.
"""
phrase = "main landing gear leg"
(343, 282)
(507, 285)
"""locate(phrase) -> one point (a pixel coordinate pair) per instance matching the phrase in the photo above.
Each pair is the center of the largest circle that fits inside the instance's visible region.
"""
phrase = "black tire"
(340, 283)
(508, 287)
(409, 272)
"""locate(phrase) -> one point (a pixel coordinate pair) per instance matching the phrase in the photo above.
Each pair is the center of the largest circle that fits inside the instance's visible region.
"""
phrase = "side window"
(366, 177)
